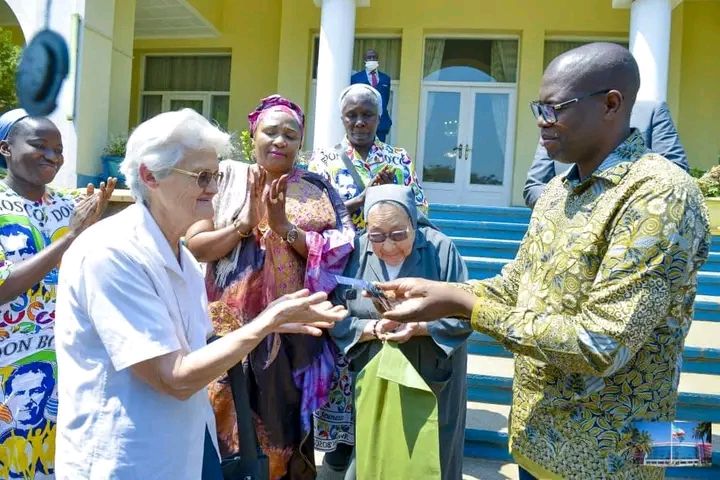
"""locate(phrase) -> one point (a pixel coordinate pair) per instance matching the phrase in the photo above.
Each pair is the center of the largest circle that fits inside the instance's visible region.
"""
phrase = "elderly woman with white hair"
(132, 347)
(361, 160)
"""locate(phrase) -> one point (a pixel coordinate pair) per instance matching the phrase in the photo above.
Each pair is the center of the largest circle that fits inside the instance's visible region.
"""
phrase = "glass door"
(440, 143)
(466, 139)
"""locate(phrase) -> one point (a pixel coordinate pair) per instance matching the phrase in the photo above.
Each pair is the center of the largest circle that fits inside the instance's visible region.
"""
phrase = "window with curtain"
(200, 82)
(389, 53)
(388, 50)
(554, 48)
(470, 60)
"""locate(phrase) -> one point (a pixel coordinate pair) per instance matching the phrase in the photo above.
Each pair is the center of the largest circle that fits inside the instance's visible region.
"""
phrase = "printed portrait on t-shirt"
(28, 412)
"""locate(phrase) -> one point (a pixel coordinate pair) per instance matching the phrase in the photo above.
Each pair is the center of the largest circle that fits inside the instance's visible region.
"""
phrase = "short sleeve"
(121, 300)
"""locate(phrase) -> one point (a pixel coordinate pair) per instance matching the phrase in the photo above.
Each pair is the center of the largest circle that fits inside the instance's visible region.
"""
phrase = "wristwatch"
(292, 235)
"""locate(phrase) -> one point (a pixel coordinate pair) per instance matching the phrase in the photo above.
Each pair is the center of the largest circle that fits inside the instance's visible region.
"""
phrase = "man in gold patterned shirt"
(599, 299)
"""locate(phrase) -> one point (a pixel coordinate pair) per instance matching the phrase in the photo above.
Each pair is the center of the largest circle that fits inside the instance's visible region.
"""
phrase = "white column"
(650, 45)
(84, 100)
(337, 35)
(31, 16)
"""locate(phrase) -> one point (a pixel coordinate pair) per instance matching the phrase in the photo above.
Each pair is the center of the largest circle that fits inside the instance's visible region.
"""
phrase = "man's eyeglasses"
(549, 111)
(203, 177)
(396, 236)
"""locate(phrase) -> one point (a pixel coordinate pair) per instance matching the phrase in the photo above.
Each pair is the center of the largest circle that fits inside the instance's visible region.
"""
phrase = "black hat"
(42, 69)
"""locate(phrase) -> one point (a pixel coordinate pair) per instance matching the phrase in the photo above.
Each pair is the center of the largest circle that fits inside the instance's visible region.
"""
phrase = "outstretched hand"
(300, 312)
(420, 300)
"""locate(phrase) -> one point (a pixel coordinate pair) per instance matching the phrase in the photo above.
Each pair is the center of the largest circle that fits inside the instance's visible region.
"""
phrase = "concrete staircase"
(488, 237)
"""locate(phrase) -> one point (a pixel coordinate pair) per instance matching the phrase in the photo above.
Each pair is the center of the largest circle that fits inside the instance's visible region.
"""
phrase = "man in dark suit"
(650, 117)
(381, 82)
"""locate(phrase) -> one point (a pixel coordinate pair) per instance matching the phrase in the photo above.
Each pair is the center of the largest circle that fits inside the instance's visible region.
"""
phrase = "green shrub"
(116, 146)
(696, 172)
(246, 144)
(709, 183)
(9, 57)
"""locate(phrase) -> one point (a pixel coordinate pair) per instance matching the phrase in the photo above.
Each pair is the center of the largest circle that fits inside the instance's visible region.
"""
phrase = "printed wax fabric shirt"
(124, 298)
(28, 371)
(596, 307)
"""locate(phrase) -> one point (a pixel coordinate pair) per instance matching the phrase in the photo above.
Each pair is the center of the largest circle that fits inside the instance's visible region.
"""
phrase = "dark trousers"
(211, 463)
(525, 475)
(339, 459)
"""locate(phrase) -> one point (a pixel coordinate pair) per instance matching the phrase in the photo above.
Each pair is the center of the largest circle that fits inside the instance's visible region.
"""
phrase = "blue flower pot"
(111, 168)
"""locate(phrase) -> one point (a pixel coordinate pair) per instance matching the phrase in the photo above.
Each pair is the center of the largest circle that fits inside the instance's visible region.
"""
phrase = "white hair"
(161, 142)
(361, 90)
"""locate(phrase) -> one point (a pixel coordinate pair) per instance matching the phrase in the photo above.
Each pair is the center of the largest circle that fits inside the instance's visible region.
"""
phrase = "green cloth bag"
(396, 426)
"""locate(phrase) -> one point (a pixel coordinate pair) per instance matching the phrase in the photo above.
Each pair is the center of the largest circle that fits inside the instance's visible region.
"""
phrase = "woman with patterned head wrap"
(276, 229)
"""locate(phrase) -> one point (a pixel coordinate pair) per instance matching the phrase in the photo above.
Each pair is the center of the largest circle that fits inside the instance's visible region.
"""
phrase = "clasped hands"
(390, 331)
(91, 205)
(263, 198)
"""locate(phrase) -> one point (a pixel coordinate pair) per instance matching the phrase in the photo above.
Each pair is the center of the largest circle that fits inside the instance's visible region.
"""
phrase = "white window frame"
(168, 95)
(490, 194)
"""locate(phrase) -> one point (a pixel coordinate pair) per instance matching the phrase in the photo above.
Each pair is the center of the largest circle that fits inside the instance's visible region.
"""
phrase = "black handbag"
(250, 463)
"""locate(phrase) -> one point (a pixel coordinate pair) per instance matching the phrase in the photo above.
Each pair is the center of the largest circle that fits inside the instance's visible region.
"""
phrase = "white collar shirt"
(124, 298)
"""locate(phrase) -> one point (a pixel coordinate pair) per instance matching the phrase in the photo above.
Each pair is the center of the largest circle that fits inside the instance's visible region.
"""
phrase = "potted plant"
(709, 185)
(112, 157)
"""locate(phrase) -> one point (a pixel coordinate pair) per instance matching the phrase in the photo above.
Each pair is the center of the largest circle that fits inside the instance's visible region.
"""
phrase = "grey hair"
(161, 142)
(362, 90)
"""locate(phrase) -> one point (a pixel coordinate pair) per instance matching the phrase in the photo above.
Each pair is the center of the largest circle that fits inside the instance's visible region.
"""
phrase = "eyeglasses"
(549, 111)
(396, 236)
(203, 177)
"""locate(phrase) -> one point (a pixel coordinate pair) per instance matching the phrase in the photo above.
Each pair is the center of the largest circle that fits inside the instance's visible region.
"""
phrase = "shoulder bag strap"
(350, 167)
(246, 429)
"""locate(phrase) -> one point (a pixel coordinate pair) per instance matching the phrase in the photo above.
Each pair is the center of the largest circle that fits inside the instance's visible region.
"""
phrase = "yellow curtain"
(554, 48)
(388, 50)
(503, 60)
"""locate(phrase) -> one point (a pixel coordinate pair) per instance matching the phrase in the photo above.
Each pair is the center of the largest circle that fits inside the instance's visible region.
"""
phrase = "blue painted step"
(486, 247)
(481, 267)
(498, 390)
(494, 445)
(707, 308)
(479, 213)
(695, 359)
(496, 230)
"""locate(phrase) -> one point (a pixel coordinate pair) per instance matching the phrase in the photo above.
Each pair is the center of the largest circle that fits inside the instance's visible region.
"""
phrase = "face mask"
(371, 65)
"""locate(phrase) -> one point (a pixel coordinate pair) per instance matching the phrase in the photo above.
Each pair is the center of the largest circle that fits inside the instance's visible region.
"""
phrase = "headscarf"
(276, 103)
(361, 89)
(398, 194)
(9, 119)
